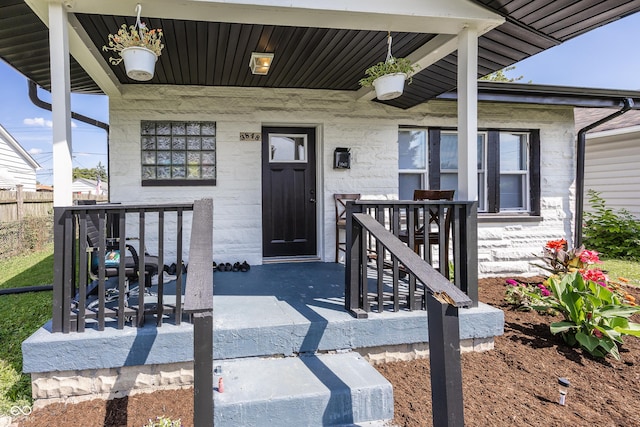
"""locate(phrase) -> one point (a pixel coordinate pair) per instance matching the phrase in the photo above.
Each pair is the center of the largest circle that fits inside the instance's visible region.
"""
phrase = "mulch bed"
(516, 384)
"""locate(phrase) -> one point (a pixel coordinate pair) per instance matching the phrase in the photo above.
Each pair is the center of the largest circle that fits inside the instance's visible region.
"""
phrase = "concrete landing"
(311, 390)
(272, 310)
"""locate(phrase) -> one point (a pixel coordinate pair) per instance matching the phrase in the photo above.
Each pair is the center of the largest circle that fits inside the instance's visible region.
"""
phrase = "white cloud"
(35, 151)
(41, 122)
(38, 121)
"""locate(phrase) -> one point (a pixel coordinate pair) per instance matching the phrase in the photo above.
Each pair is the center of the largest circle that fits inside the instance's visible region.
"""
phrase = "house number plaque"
(250, 136)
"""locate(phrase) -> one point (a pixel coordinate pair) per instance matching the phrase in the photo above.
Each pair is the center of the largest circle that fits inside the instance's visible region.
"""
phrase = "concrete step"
(310, 390)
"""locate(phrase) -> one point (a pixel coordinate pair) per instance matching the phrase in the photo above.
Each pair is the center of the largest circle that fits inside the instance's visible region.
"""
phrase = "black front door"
(288, 191)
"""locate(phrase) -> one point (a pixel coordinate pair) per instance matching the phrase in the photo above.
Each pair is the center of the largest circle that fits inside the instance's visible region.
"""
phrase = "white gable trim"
(6, 136)
(613, 132)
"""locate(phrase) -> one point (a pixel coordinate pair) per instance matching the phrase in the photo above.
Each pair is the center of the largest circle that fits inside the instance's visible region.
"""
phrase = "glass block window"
(178, 153)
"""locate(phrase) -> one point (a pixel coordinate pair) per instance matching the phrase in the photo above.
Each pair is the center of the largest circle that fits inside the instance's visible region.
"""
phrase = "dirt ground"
(516, 384)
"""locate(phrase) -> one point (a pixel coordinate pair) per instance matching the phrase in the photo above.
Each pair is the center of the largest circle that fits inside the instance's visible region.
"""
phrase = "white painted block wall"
(368, 128)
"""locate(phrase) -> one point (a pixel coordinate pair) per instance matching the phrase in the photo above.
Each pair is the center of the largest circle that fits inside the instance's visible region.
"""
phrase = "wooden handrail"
(438, 285)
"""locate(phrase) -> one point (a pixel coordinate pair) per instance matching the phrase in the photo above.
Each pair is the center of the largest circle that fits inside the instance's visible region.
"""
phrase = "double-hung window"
(508, 166)
(514, 171)
(449, 165)
(412, 161)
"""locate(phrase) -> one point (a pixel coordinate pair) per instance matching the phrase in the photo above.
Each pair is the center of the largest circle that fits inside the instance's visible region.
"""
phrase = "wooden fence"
(17, 205)
(26, 220)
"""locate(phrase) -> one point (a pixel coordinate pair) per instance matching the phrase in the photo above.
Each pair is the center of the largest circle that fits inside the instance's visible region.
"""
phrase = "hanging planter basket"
(138, 46)
(388, 77)
(389, 86)
(139, 62)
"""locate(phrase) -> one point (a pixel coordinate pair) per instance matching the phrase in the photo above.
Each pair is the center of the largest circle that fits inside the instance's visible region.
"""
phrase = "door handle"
(312, 200)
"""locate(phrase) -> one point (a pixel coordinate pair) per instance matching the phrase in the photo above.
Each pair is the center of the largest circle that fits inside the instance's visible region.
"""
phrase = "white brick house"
(202, 126)
(507, 239)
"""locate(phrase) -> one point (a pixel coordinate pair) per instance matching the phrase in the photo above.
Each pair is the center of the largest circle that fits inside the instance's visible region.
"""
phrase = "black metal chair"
(112, 261)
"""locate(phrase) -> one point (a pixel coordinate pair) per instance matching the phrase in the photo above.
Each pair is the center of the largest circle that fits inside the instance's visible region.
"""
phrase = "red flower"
(590, 257)
(557, 245)
(595, 275)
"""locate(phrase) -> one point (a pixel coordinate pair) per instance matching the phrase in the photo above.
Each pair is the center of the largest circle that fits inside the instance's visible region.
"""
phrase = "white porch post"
(61, 105)
(468, 115)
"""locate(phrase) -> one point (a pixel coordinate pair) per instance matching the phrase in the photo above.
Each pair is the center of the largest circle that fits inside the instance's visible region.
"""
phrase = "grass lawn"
(20, 316)
(618, 268)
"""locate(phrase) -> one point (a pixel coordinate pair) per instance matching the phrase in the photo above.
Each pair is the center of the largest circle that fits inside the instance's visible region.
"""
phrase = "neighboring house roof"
(42, 187)
(11, 141)
(215, 53)
(602, 101)
(80, 184)
(586, 116)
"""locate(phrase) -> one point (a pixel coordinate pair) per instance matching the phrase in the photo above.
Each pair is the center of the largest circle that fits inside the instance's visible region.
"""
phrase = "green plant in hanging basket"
(392, 66)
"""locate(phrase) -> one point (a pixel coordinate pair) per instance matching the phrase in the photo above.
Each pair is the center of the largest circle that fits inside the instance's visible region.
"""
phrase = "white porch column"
(467, 115)
(61, 105)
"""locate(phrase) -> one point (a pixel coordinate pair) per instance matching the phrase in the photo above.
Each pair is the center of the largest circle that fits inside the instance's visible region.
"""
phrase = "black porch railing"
(89, 288)
(367, 236)
(449, 226)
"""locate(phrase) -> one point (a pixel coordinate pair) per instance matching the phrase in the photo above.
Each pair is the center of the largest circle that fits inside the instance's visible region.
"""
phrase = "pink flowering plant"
(595, 309)
(520, 293)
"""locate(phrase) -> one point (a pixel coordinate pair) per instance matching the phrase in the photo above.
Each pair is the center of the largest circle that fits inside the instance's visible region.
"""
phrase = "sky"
(606, 57)
(31, 125)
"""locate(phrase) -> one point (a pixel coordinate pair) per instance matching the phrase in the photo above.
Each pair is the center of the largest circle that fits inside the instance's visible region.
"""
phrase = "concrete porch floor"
(260, 317)
(273, 309)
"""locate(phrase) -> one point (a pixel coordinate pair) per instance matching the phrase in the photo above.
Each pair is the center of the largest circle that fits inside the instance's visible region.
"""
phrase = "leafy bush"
(595, 309)
(30, 234)
(519, 294)
(616, 234)
(594, 316)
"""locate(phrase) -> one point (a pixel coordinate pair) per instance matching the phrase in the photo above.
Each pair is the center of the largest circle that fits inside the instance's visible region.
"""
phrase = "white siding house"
(613, 158)
(89, 186)
(17, 167)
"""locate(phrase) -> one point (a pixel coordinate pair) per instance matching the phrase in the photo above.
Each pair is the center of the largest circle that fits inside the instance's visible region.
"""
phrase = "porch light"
(260, 63)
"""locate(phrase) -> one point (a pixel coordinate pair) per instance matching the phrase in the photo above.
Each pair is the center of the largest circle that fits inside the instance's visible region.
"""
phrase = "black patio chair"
(112, 262)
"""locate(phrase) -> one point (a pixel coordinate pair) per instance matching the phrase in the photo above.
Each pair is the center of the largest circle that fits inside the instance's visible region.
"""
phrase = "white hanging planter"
(139, 62)
(389, 86)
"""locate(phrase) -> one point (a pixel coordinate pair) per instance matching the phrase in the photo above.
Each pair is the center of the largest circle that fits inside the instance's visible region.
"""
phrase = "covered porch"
(270, 312)
(109, 256)
(261, 317)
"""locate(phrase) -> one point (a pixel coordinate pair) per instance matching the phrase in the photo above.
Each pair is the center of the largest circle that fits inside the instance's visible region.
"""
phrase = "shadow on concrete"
(302, 286)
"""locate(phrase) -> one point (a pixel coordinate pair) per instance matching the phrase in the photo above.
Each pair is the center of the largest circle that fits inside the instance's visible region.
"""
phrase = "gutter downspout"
(33, 96)
(581, 150)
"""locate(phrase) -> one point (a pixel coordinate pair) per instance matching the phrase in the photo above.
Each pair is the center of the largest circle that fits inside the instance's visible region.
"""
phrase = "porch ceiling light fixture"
(260, 63)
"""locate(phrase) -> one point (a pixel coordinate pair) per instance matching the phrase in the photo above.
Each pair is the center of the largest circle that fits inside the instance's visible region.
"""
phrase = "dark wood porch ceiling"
(217, 53)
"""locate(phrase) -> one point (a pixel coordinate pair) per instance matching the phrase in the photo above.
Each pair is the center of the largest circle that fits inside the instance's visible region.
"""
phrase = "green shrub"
(30, 234)
(615, 234)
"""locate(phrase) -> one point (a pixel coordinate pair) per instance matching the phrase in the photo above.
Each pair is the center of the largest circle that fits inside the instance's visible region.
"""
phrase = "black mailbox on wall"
(342, 158)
